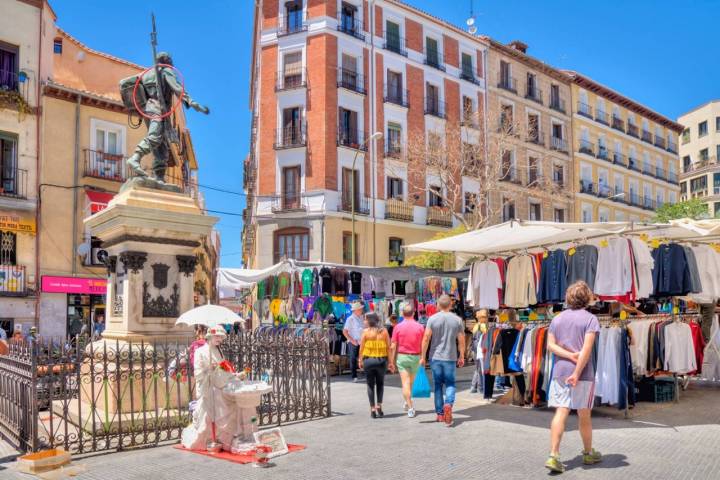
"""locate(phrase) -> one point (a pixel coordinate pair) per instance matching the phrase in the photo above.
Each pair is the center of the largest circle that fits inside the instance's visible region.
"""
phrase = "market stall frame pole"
(352, 194)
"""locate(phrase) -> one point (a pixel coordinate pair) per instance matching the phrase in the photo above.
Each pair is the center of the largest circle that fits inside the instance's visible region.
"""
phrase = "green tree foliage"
(436, 260)
(693, 208)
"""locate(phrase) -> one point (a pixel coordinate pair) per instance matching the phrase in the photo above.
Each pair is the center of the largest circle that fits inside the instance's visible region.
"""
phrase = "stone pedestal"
(151, 237)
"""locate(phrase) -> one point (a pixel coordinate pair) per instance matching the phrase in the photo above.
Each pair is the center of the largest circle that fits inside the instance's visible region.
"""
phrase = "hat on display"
(356, 305)
(218, 331)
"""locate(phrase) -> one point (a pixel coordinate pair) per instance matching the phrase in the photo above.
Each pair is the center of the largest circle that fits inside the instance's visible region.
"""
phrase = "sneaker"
(447, 414)
(592, 457)
(554, 464)
(405, 407)
(473, 390)
(411, 413)
(440, 418)
(356, 380)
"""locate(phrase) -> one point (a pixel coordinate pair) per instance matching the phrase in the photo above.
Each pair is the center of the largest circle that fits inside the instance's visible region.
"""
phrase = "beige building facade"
(699, 154)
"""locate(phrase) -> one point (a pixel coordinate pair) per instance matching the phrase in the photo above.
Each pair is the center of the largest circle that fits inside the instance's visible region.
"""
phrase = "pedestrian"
(99, 325)
(3, 334)
(479, 329)
(353, 333)
(570, 338)
(444, 337)
(393, 323)
(405, 351)
(374, 345)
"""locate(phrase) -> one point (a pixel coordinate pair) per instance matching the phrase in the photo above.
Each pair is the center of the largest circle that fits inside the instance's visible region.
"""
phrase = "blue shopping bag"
(421, 385)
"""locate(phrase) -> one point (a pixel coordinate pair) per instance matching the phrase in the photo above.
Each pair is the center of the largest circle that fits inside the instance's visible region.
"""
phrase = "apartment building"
(24, 54)
(529, 115)
(700, 151)
(326, 77)
(626, 155)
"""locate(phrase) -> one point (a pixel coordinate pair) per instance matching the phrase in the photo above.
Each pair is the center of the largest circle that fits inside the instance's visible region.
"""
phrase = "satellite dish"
(80, 56)
(470, 21)
(472, 30)
(83, 249)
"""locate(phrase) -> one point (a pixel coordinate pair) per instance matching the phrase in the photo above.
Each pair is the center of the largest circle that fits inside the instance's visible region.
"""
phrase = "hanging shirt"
(325, 280)
(483, 284)
(356, 283)
(553, 278)
(520, 282)
(283, 280)
(307, 281)
(679, 350)
(582, 265)
(708, 262)
(643, 267)
(339, 281)
(695, 283)
(614, 272)
(671, 276)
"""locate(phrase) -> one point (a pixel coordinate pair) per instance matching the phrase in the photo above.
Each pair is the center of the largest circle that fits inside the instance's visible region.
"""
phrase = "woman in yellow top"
(374, 346)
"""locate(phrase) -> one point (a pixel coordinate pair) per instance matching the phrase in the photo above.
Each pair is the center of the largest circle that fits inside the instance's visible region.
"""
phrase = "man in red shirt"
(405, 351)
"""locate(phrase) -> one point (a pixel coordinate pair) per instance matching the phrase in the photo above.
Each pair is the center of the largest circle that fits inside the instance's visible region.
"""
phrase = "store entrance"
(82, 310)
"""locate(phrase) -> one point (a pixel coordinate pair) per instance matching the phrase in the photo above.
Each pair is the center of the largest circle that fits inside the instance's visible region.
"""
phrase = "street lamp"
(352, 192)
(612, 197)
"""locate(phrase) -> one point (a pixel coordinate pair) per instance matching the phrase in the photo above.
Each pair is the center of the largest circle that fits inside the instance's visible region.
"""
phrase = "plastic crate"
(656, 390)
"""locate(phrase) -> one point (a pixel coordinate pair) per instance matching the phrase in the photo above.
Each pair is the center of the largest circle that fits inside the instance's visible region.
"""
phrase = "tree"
(436, 260)
(693, 208)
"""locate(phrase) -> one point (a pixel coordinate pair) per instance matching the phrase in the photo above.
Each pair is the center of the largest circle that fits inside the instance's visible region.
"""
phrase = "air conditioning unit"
(98, 256)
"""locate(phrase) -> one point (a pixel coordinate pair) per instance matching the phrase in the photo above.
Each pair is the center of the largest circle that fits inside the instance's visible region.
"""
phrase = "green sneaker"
(592, 457)
(554, 464)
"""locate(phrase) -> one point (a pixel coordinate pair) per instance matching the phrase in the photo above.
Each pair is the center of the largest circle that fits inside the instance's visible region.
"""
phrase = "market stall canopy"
(232, 280)
(517, 235)
(209, 316)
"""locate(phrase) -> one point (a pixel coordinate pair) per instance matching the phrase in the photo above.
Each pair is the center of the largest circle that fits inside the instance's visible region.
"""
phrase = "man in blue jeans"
(444, 334)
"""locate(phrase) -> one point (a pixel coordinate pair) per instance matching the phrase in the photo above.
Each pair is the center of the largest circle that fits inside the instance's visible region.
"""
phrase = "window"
(431, 52)
(685, 136)
(559, 175)
(347, 17)
(508, 166)
(394, 188)
(432, 99)
(392, 36)
(704, 153)
(535, 211)
(672, 197)
(394, 139)
(534, 134)
(533, 170)
(555, 97)
(716, 209)
(687, 163)
(348, 128)
(8, 248)
(559, 215)
(467, 66)
(717, 124)
(9, 181)
(698, 184)
(350, 189)
(505, 75)
(532, 87)
(716, 183)
(292, 70)
(683, 188)
(395, 250)
(506, 119)
(57, 45)
(508, 212)
(291, 243)
(290, 188)
(557, 130)
(291, 127)
(702, 128)
(349, 72)
(587, 213)
(347, 248)
(435, 196)
(293, 16)
(8, 67)
(394, 87)
(471, 202)
(468, 110)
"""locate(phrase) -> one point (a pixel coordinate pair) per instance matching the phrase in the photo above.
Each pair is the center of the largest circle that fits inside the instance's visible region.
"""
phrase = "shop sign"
(92, 286)
(15, 223)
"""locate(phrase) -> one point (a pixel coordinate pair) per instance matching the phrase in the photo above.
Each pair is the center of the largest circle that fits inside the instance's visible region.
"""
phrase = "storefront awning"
(98, 200)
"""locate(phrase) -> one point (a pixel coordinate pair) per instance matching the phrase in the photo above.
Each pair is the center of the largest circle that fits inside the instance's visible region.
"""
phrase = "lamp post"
(352, 194)
(612, 197)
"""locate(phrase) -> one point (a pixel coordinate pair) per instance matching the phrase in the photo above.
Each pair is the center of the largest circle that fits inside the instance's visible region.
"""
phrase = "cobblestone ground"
(659, 441)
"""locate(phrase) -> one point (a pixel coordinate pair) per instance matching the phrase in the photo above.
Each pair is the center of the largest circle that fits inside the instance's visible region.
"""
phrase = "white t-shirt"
(483, 284)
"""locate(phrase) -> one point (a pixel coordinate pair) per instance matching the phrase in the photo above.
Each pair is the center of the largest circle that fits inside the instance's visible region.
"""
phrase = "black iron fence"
(111, 396)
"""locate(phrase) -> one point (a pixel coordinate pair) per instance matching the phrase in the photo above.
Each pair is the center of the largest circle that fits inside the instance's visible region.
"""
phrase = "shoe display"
(592, 457)
(554, 464)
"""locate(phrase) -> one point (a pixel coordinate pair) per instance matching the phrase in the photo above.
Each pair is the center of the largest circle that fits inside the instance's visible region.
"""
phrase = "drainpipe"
(76, 160)
(485, 119)
(38, 149)
(373, 125)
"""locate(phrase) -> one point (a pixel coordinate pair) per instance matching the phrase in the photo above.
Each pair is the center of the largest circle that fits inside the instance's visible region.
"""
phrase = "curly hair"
(578, 295)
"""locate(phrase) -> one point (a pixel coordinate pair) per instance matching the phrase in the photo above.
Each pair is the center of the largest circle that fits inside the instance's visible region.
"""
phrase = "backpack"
(127, 86)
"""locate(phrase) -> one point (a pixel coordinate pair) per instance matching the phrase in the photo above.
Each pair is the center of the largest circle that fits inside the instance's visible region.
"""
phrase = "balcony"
(12, 281)
(672, 178)
(558, 144)
(434, 59)
(671, 147)
(13, 183)
(534, 94)
(394, 43)
(585, 110)
(350, 25)
(510, 175)
(292, 22)
(506, 82)
(587, 187)
(648, 203)
(635, 200)
(290, 79)
(292, 136)
(660, 141)
(660, 173)
(395, 95)
(602, 117)
(603, 153)
(393, 151)
(587, 147)
(397, 209)
(536, 136)
(648, 169)
(361, 207)
(557, 104)
(618, 195)
(349, 138)
(507, 127)
(703, 163)
(289, 203)
(470, 121)
(619, 159)
(105, 166)
(632, 130)
(9, 80)
(633, 164)
(646, 136)
(351, 80)
(439, 216)
(618, 123)
(469, 76)
(434, 107)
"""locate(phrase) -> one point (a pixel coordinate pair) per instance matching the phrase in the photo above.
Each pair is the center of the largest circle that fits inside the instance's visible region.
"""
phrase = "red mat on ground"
(235, 458)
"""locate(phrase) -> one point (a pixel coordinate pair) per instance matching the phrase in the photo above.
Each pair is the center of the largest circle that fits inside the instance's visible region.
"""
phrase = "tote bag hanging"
(421, 385)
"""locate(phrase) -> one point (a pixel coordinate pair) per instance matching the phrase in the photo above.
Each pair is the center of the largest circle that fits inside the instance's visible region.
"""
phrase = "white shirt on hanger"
(644, 264)
(679, 349)
(708, 262)
(614, 272)
(520, 289)
(483, 284)
(639, 346)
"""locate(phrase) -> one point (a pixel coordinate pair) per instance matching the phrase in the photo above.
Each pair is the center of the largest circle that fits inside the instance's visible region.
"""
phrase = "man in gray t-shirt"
(443, 334)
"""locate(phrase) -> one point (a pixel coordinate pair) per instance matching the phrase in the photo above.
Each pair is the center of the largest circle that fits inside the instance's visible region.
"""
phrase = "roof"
(607, 92)
(529, 60)
(693, 110)
(96, 52)
(58, 90)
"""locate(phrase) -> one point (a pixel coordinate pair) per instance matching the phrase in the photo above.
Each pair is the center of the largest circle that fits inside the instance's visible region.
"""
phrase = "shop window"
(82, 312)
(293, 242)
(396, 253)
(348, 247)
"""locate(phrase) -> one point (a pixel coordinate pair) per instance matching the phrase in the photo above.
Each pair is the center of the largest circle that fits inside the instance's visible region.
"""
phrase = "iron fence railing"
(584, 109)
(632, 130)
(559, 144)
(350, 25)
(534, 94)
(396, 209)
(289, 202)
(434, 59)
(468, 75)
(351, 80)
(646, 136)
(351, 138)
(290, 78)
(439, 216)
(106, 166)
(618, 123)
(111, 396)
(506, 82)
(602, 117)
(434, 107)
(292, 22)
(361, 207)
(659, 141)
(8, 80)
(586, 147)
(396, 95)
(13, 183)
(557, 104)
(292, 136)
(395, 43)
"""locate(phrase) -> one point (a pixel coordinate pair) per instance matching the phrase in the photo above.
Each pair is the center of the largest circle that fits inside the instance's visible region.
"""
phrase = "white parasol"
(209, 316)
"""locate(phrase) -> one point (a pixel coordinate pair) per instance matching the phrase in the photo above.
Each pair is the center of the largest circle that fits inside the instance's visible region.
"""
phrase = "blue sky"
(658, 52)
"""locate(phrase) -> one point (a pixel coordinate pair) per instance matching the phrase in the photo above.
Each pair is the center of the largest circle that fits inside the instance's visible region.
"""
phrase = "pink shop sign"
(94, 286)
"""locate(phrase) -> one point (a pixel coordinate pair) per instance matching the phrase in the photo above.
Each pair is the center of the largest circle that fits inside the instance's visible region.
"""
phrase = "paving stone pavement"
(659, 441)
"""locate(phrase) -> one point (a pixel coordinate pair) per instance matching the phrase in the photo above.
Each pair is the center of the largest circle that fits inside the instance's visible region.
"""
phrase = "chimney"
(519, 46)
